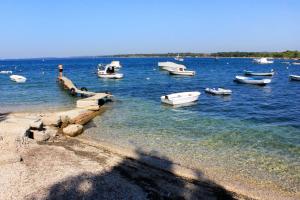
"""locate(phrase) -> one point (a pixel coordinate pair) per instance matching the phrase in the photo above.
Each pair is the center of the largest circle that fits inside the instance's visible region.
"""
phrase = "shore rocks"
(36, 125)
(51, 120)
(73, 130)
(40, 136)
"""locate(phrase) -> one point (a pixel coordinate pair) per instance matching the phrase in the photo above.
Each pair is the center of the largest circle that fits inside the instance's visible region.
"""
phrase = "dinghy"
(183, 72)
(108, 71)
(294, 77)
(263, 61)
(218, 91)
(180, 98)
(5, 72)
(296, 63)
(251, 73)
(254, 81)
(18, 78)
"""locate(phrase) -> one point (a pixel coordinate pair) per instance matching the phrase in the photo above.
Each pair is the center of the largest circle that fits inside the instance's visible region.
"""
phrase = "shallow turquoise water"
(254, 134)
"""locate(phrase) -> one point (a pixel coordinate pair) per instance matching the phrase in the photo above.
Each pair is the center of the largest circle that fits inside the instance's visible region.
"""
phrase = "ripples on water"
(255, 133)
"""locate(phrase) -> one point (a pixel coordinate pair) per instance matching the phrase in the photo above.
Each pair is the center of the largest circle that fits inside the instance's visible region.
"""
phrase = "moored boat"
(251, 73)
(170, 66)
(296, 63)
(218, 91)
(263, 61)
(250, 80)
(108, 71)
(18, 78)
(5, 72)
(180, 98)
(294, 77)
(182, 72)
(179, 58)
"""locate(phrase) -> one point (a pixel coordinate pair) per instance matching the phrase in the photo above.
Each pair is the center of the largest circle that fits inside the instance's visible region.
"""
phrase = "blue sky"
(34, 28)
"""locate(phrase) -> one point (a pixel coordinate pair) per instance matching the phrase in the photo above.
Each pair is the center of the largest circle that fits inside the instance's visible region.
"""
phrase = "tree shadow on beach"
(3, 116)
(142, 178)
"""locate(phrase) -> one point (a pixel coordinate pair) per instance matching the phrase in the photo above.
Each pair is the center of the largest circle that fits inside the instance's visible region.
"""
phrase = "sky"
(62, 28)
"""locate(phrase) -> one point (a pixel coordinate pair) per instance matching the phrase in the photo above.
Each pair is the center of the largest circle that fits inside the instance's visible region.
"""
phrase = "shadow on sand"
(133, 179)
(3, 116)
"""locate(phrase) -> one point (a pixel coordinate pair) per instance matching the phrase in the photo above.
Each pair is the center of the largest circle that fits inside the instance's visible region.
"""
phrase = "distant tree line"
(285, 54)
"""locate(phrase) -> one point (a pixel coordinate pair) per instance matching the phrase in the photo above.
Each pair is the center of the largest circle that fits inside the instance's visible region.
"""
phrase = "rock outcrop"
(73, 130)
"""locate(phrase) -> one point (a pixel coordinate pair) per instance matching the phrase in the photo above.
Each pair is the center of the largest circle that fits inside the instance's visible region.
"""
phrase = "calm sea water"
(253, 135)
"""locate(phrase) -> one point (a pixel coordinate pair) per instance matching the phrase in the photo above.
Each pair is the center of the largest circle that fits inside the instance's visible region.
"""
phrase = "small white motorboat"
(5, 72)
(296, 63)
(251, 73)
(218, 91)
(180, 98)
(18, 78)
(263, 61)
(170, 66)
(250, 80)
(108, 71)
(294, 77)
(179, 58)
(183, 72)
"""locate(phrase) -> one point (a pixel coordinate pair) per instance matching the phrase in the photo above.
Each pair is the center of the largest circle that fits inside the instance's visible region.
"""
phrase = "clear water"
(253, 135)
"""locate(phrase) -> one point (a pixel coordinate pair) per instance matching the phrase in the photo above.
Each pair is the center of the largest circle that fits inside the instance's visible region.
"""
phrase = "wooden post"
(60, 68)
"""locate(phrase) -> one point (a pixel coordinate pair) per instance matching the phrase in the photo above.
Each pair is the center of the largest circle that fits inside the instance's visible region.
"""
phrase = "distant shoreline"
(294, 55)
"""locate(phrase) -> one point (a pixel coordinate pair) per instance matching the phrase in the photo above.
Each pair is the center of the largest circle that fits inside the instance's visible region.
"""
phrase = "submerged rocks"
(73, 130)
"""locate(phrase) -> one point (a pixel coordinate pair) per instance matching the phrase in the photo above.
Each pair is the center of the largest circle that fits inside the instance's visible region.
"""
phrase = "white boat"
(179, 58)
(108, 71)
(294, 77)
(296, 63)
(250, 80)
(218, 91)
(115, 64)
(5, 72)
(180, 98)
(263, 61)
(251, 73)
(182, 72)
(18, 78)
(170, 66)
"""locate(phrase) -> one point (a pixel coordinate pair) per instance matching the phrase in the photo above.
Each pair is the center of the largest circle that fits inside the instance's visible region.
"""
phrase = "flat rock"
(73, 130)
(51, 120)
(51, 131)
(36, 124)
(40, 136)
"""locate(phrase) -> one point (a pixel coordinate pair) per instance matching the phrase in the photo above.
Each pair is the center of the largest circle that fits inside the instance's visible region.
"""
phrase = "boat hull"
(18, 79)
(242, 79)
(183, 73)
(180, 98)
(111, 76)
(249, 73)
(218, 91)
(294, 78)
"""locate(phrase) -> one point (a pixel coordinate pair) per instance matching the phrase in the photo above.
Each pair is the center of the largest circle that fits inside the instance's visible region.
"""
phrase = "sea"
(250, 137)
